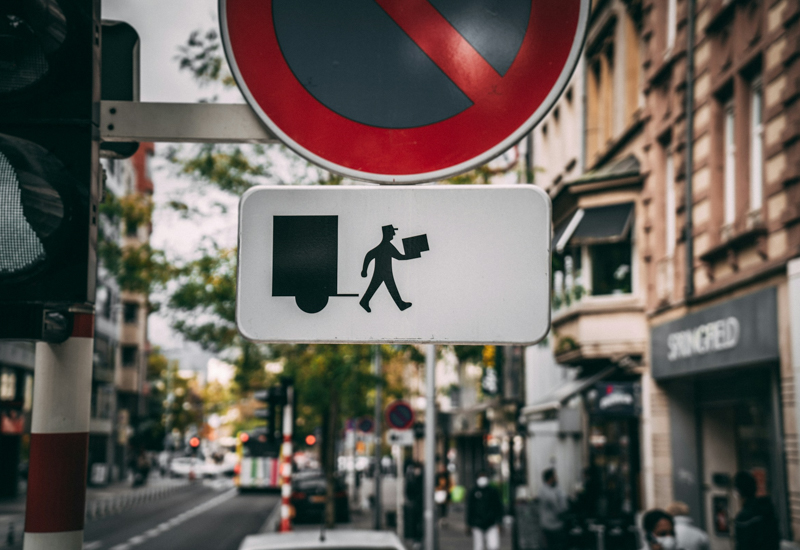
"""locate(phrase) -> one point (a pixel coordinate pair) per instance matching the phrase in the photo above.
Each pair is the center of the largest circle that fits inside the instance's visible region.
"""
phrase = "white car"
(316, 540)
(185, 466)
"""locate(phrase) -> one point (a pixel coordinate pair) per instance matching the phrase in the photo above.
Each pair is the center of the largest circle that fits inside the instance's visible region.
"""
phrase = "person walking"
(382, 273)
(756, 522)
(659, 531)
(552, 507)
(687, 535)
(484, 514)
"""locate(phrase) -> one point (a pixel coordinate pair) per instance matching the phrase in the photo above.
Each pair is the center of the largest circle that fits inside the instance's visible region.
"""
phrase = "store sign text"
(708, 338)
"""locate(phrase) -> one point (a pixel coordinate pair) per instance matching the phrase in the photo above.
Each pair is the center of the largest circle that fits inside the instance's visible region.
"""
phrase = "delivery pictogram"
(306, 261)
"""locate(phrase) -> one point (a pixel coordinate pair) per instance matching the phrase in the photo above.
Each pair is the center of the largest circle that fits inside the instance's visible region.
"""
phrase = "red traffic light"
(194, 442)
(311, 440)
(244, 437)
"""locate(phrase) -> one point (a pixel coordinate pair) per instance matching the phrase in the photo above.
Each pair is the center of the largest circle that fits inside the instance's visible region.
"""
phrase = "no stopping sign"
(399, 415)
(402, 91)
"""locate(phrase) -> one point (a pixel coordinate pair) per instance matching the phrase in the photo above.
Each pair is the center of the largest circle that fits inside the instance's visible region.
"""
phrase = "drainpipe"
(689, 290)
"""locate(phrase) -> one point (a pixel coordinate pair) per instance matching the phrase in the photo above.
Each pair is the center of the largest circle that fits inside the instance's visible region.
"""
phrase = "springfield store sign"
(739, 332)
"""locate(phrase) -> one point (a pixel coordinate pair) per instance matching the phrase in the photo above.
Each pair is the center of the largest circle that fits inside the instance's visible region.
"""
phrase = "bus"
(258, 466)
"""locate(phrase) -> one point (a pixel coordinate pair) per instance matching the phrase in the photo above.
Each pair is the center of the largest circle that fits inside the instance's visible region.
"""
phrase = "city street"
(210, 515)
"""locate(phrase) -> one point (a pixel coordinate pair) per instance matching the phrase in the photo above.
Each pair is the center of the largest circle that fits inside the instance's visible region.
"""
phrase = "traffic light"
(194, 444)
(49, 164)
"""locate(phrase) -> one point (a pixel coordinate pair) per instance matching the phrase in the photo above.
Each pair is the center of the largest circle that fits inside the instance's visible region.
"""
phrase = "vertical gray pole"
(430, 445)
(378, 415)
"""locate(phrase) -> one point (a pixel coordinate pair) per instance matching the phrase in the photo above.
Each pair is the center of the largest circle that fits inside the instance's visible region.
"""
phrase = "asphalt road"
(198, 518)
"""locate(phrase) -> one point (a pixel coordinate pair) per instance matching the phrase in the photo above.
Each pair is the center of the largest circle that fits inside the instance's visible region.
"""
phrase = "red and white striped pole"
(286, 467)
(62, 390)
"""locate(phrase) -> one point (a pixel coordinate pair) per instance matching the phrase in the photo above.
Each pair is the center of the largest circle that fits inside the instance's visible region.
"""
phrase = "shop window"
(130, 313)
(130, 355)
(611, 268)
(8, 385)
(756, 145)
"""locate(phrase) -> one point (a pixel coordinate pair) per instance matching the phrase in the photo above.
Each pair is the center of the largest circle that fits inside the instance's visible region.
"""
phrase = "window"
(129, 356)
(669, 183)
(756, 145)
(672, 23)
(131, 313)
(611, 268)
(729, 158)
(8, 385)
(131, 228)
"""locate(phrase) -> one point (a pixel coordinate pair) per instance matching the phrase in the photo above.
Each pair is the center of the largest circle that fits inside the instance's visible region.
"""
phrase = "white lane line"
(92, 545)
(177, 520)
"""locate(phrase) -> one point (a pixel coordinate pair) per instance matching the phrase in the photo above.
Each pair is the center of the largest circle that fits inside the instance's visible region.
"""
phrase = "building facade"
(721, 208)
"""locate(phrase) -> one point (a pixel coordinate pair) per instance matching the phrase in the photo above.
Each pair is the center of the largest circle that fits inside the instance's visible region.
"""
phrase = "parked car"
(308, 497)
(314, 540)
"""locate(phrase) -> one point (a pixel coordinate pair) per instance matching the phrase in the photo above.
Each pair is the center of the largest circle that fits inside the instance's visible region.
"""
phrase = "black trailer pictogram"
(305, 252)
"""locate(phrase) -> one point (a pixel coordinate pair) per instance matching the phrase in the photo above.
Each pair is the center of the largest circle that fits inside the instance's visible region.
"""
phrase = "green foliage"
(202, 56)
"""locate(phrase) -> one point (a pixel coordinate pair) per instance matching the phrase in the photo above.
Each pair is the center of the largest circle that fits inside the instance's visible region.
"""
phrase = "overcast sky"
(163, 25)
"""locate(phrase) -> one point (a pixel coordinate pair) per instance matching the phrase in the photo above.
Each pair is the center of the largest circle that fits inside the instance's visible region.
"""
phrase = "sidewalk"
(100, 502)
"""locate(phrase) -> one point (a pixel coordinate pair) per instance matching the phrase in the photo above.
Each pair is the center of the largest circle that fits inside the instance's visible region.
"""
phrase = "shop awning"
(602, 224)
(555, 399)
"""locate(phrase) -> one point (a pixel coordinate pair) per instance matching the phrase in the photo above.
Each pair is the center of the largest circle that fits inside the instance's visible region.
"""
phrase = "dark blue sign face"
(366, 424)
(379, 75)
(400, 416)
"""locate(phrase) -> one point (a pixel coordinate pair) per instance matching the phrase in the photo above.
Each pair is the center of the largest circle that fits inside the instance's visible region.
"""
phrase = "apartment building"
(721, 212)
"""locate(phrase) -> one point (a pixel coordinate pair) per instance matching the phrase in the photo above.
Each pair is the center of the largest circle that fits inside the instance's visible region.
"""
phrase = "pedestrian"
(442, 495)
(688, 536)
(552, 507)
(484, 514)
(756, 522)
(659, 531)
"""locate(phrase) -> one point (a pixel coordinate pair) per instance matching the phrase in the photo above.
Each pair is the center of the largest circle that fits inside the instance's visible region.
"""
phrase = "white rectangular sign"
(403, 438)
(424, 264)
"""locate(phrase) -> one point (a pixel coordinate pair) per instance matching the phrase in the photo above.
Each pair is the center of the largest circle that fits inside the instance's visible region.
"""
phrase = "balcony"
(600, 329)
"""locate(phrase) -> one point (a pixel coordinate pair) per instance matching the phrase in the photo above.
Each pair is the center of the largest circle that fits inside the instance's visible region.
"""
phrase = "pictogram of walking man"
(382, 273)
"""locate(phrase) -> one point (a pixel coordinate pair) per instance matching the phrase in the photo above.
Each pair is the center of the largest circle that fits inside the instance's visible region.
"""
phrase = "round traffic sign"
(399, 415)
(402, 91)
(365, 424)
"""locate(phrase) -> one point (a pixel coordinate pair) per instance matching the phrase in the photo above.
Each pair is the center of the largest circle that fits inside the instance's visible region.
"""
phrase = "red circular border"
(392, 406)
(291, 108)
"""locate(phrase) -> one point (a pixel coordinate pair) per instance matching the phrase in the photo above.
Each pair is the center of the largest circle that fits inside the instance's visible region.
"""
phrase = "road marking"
(92, 545)
(174, 522)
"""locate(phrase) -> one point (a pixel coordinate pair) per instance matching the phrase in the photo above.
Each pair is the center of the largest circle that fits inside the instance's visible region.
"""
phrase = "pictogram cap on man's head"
(388, 231)
(385, 227)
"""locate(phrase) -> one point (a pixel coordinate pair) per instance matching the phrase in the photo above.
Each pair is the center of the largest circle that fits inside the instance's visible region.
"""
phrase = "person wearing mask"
(484, 513)
(688, 536)
(659, 531)
(756, 522)
(552, 507)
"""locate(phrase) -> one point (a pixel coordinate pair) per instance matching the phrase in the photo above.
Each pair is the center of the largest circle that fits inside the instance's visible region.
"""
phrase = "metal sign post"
(378, 409)
(430, 446)
(397, 452)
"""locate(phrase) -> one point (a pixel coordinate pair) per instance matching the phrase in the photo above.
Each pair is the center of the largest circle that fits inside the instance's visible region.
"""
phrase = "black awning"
(604, 224)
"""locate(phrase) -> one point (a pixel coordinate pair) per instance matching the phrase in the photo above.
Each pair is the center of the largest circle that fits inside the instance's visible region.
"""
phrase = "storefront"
(614, 459)
(719, 369)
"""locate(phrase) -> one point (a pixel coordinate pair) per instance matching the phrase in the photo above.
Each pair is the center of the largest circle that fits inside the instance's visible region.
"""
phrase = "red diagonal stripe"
(444, 45)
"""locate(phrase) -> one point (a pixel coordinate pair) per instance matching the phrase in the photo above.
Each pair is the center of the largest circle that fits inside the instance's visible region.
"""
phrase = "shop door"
(719, 467)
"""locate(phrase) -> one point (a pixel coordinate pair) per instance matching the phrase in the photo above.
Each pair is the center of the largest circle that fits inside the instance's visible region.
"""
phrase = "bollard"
(11, 536)
(62, 389)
